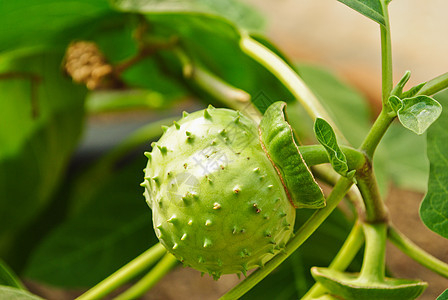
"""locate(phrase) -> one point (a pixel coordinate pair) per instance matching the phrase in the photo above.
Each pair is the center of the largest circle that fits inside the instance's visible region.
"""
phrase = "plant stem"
(299, 238)
(435, 85)
(126, 273)
(373, 265)
(386, 56)
(342, 260)
(375, 210)
(150, 279)
(316, 154)
(289, 78)
(376, 133)
(417, 253)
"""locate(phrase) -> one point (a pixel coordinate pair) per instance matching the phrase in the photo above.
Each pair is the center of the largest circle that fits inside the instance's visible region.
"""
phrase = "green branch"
(316, 154)
(290, 79)
(150, 279)
(386, 56)
(299, 238)
(417, 253)
(126, 273)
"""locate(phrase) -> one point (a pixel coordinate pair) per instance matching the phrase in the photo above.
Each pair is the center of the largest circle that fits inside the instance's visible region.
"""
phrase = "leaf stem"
(373, 265)
(342, 260)
(289, 78)
(125, 274)
(386, 56)
(435, 85)
(304, 232)
(150, 279)
(417, 253)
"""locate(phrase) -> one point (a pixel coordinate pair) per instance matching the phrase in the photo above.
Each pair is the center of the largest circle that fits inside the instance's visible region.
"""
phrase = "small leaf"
(413, 90)
(434, 208)
(398, 89)
(11, 293)
(395, 103)
(418, 113)
(443, 296)
(369, 8)
(325, 135)
(8, 278)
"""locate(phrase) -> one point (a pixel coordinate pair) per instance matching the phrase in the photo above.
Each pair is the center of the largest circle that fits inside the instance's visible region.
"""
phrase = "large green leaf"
(34, 151)
(434, 208)
(8, 278)
(44, 22)
(370, 8)
(233, 10)
(11, 293)
(113, 228)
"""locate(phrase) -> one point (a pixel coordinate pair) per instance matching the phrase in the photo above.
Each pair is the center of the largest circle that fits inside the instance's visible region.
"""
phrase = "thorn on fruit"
(236, 189)
(184, 114)
(257, 170)
(223, 132)
(267, 233)
(201, 261)
(164, 128)
(266, 217)
(207, 243)
(163, 149)
(270, 186)
(216, 205)
(175, 246)
(177, 125)
(185, 165)
(153, 144)
(173, 219)
(237, 120)
(184, 236)
(244, 270)
(156, 179)
(207, 114)
(190, 222)
(282, 214)
(211, 107)
(208, 223)
(234, 230)
(148, 155)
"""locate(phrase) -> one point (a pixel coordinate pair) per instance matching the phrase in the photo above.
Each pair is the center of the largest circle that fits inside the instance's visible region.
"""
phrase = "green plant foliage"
(350, 288)
(326, 137)
(370, 8)
(8, 278)
(416, 113)
(443, 296)
(233, 10)
(43, 22)
(34, 150)
(107, 233)
(12, 293)
(434, 208)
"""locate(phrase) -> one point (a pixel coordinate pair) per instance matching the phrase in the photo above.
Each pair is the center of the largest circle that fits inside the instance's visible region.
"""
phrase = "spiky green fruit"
(218, 202)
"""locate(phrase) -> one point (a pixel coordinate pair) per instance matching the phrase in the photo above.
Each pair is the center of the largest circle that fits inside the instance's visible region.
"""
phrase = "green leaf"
(369, 8)
(443, 296)
(113, 228)
(11, 293)
(327, 138)
(417, 113)
(233, 10)
(278, 142)
(434, 208)
(8, 278)
(45, 22)
(34, 152)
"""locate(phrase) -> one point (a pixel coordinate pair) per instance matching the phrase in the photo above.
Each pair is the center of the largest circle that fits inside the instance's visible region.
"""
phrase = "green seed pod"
(218, 202)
